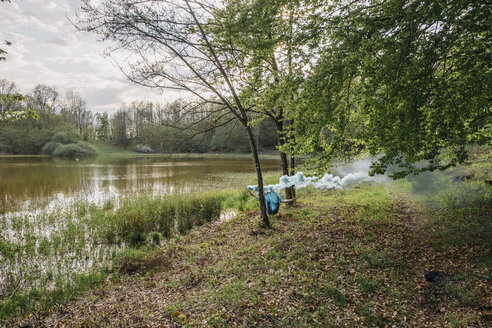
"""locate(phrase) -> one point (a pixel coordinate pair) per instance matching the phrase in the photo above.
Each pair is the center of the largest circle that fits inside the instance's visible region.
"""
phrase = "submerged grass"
(42, 298)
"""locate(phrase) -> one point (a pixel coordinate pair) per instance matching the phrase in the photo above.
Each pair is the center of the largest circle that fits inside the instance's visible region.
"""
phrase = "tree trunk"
(292, 159)
(265, 223)
(292, 172)
(285, 171)
(283, 160)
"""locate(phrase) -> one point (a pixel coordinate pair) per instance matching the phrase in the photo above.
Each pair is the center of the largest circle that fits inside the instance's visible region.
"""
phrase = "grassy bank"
(111, 150)
(338, 258)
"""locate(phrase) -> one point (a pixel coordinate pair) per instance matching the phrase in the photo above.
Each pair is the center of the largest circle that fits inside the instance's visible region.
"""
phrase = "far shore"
(173, 155)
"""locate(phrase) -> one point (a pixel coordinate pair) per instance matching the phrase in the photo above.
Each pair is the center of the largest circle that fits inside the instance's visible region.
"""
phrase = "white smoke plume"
(354, 173)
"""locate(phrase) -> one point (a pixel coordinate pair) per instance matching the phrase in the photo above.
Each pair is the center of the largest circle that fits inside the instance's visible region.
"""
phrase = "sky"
(47, 49)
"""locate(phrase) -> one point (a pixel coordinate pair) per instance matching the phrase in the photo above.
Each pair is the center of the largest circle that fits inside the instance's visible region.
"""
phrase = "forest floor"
(355, 258)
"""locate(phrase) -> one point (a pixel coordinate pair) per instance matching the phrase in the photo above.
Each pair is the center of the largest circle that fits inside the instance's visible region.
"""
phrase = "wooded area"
(142, 126)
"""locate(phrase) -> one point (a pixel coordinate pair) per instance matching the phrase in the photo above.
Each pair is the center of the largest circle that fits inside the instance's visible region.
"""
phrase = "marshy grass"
(47, 257)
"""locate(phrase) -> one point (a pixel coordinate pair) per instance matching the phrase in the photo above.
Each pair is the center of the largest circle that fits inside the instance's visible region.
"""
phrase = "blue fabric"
(272, 202)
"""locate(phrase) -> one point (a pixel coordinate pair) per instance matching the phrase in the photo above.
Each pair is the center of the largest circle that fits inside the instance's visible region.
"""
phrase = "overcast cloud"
(47, 49)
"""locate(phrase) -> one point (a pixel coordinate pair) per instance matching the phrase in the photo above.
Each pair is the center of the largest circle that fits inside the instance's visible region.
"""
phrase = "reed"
(46, 257)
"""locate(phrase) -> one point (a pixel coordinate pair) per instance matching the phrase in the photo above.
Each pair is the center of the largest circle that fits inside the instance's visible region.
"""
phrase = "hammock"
(272, 200)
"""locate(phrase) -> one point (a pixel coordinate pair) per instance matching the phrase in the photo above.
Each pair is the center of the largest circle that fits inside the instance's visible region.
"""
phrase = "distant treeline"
(180, 127)
(140, 126)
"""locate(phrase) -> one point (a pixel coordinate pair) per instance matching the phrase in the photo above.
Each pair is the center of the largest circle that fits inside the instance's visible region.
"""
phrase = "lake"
(37, 183)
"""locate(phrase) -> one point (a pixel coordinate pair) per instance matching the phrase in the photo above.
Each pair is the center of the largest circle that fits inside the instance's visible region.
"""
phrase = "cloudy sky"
(47, 49)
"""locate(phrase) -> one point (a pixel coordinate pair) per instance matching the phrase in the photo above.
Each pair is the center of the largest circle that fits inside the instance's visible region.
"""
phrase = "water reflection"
(30, 183)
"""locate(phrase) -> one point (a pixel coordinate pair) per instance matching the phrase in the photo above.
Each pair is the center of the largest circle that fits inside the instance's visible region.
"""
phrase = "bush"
(16, 140)
(63, 137)
(50, 147)
(78, 150)
(144, 149)
(34, 141)
(156, 237)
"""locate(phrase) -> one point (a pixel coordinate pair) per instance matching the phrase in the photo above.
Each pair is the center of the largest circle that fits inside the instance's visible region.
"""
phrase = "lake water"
(35, 183)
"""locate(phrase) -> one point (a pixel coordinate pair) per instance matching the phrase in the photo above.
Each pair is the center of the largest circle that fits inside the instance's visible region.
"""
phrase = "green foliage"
(43, 298)
(271, 38)
(44, 117)
(103, 127)
(417, 74)
(18, 99)
(78, 150)
(12, 115)
(69, 136)
(423, 94)
(14, 140)
(229, 139)
(50, 147)
(326, 123)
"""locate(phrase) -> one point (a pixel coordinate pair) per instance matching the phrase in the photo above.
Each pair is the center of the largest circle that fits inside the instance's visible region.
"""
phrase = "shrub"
(156, 237)
(78, 150)
(63, 137)
(136, 238)
(50, 147)
(209, 209)
(162, 214)
(18, 140)
(144, 149)
(185, 213)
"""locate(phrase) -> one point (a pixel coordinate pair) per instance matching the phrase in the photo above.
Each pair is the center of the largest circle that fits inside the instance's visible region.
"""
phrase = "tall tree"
(120, 128)
(102, 126)
(174, 52)
(77, 111)
(45, 98)
(413, 77)
(273, 43)
(7, 90)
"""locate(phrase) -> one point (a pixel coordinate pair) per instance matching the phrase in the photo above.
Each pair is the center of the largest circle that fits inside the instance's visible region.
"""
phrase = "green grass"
(44, 299)
(106, 149)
